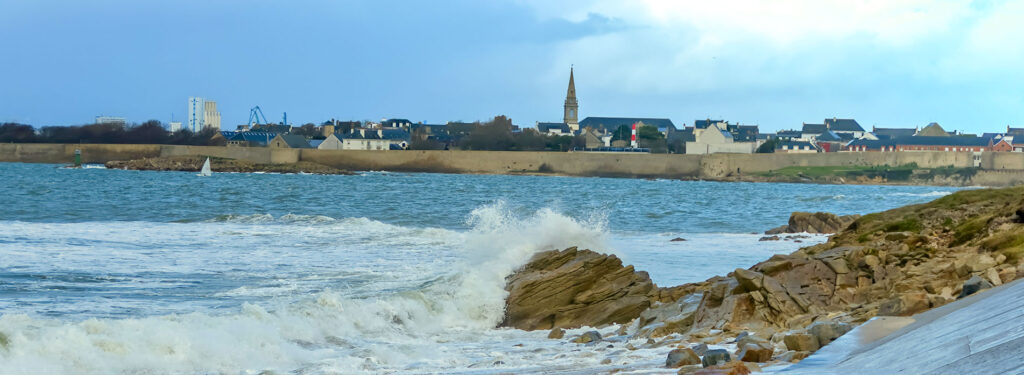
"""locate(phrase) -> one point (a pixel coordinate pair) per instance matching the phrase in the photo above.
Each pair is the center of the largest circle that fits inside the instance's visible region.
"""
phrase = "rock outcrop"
(194, 163)
(573, 288)
(818, 222)
(898, 262)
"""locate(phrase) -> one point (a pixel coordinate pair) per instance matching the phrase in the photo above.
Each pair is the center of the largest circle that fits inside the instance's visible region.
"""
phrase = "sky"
(777, 64)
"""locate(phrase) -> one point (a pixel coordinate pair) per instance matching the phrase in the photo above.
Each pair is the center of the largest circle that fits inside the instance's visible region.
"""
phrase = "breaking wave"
(417, 328)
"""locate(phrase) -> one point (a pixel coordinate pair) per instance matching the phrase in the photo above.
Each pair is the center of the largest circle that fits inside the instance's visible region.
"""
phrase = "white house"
(716, 139)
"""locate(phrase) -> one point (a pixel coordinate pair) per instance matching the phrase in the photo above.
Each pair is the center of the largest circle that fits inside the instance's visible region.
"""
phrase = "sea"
(142, 272)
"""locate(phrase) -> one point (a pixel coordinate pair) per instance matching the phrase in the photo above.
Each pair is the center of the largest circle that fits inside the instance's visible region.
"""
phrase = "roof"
(253, 137)
(431, 128)
(933, 130)
(272, 128)
(295, 140)
(314, 143)
(893, 132)
(813, 128)
(394, 134)
(1014, 131)
(684, 135)
(547, 127)
(392, 122)
(843, 125)
(612, 123)
(789, 134)
(705, 123)
(829, 136)
(744, 133)
(228, 133)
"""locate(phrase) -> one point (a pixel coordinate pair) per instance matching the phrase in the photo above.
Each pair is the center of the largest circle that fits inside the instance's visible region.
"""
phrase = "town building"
(791, 147)
(368, 139)
(174, 126)
(571, 109)
(890, 133)
(248, 139)
(202, 114)
(717, 139)
(289, 141)
(110, 120)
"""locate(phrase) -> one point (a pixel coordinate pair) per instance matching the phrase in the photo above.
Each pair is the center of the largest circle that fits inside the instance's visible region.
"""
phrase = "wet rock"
(801, 342)
(681, 357)
(677, 239)
(573, 288)
(556, 333)
(734, 368)
(827, 331)
(818, 222)
(992, 276)
(754, 353)
(974, 285)
(606, 361)
(769, 238)
(715, 357)
(689, 369)
(699, 348)
(668, 318)
(905, 304)
(792, 356)
(588, 337)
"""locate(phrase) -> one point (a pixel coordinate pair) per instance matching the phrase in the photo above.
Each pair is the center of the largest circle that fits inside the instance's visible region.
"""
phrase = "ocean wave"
(928, 194)
(421, 328)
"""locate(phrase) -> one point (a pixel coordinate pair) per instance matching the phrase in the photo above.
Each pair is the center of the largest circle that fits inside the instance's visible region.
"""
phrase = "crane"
(255, 114)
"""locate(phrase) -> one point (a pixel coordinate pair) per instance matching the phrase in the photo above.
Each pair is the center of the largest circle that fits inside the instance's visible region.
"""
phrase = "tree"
(768, 146)
(149, 132)
(495, 135)
(14, 132)
(308, 130)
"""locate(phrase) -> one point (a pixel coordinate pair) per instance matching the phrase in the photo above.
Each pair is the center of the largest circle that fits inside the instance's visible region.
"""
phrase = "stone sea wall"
(997, 168)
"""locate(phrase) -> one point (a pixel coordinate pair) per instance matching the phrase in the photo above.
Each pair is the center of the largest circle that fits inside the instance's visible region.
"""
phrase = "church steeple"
(571, 105)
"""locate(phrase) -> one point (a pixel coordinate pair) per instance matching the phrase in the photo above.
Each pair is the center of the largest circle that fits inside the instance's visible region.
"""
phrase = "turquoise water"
(168, 272)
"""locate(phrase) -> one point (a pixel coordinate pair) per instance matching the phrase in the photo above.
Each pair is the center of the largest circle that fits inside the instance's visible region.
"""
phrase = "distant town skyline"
(777, 65)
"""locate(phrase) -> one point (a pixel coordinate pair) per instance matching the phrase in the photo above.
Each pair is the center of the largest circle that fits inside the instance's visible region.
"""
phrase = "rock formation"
(194, 163)
(573, 288)
(898, 262)
(818, 222)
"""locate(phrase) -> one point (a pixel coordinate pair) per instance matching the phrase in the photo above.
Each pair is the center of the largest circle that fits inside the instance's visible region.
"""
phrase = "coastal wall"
(721, 165)
(254, 154)
(997, 168)
(65, 153)
(497, 162)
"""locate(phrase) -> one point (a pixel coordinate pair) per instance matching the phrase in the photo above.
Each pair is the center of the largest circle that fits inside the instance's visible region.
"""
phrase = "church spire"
(571, 105)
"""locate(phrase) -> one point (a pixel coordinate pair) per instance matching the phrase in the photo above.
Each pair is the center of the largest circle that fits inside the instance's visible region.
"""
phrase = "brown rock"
(556, 333)
(801, 342)
(732, 368)
(754, 353)
(681, 357)
(818, 222)
(572, 288)
(905, 304)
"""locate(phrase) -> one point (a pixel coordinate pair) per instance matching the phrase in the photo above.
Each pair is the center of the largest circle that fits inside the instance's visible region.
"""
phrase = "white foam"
(443, 323)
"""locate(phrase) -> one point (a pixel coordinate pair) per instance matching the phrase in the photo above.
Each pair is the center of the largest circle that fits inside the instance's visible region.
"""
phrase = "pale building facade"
(202, 114)
(716, 139)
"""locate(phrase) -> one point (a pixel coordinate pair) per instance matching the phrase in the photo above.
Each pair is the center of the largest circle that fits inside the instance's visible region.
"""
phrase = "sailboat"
(205, 172)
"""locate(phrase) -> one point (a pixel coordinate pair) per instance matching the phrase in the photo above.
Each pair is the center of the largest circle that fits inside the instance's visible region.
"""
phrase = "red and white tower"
(632, 142)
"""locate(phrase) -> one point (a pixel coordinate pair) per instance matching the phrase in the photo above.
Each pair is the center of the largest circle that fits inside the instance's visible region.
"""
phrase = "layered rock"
(818, 222)
(572, 288)
(899, 262)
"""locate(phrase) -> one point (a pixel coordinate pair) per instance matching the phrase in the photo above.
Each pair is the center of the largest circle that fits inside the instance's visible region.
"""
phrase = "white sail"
(206, 169)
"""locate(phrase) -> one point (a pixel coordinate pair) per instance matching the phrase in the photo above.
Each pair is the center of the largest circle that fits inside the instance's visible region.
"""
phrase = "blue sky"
(897, 63)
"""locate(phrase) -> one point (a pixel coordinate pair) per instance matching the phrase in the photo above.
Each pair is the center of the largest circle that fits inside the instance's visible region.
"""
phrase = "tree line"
(149, 132)
(494, 135)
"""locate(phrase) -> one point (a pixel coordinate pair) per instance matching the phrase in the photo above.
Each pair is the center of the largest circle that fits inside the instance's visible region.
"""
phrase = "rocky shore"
(195, 163)
(894, 263)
